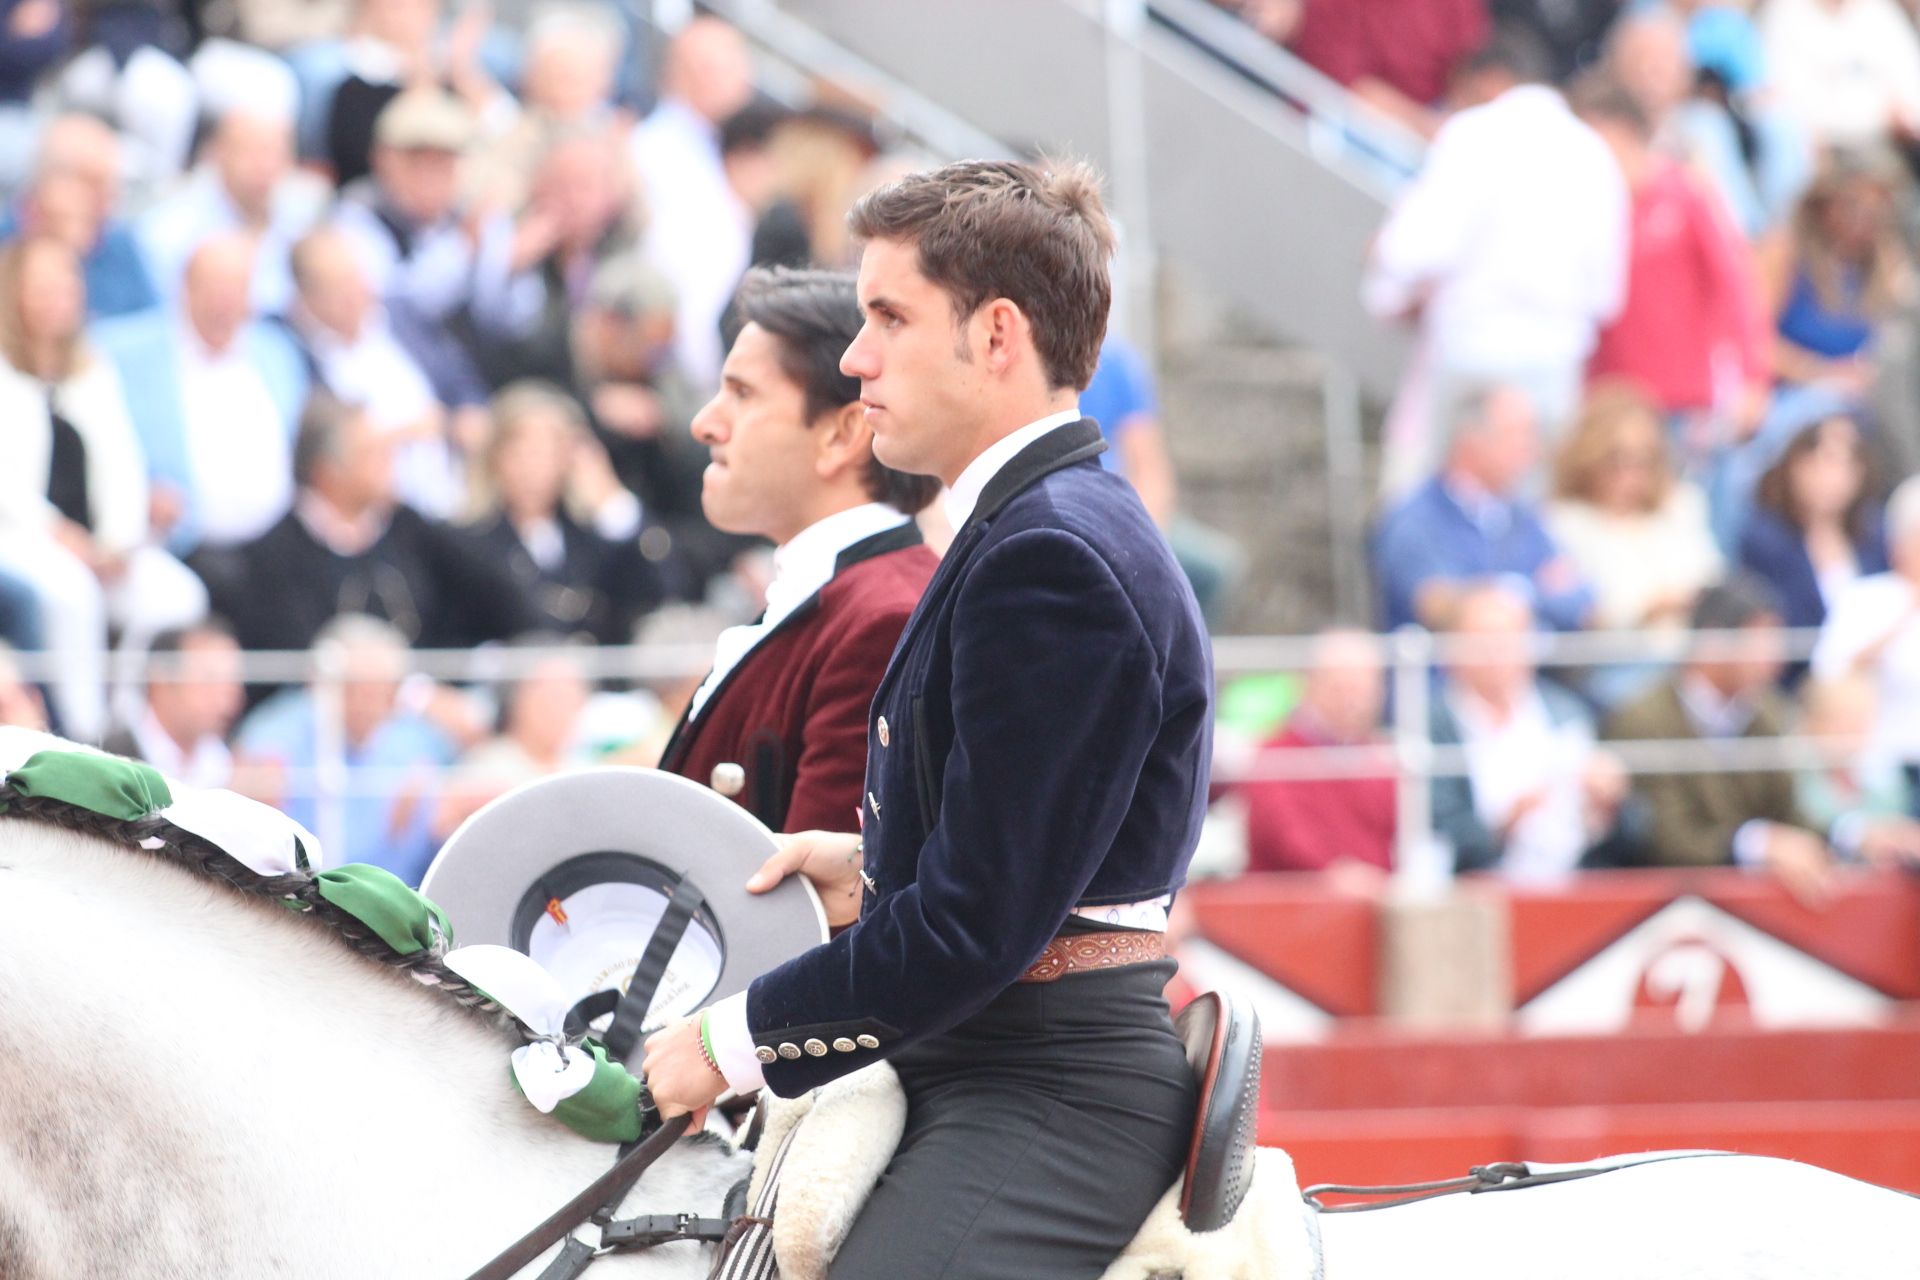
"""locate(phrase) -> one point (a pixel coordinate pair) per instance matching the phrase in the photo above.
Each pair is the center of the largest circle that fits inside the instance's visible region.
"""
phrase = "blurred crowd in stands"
(375, 326)
(1658, 267)
(369, 326)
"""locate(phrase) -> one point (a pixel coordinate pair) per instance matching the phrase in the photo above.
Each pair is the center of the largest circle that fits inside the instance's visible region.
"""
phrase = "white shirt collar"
(964, 496)
(811, 553)
(801, 566)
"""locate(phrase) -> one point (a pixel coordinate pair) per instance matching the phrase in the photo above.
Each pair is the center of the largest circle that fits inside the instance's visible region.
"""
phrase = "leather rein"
(600, 1199)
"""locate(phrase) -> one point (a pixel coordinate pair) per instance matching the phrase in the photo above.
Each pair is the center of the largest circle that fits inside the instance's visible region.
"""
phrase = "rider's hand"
(830, 859)
(677, 1073)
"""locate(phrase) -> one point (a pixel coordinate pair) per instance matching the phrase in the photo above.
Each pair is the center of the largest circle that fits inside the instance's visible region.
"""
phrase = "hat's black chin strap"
(630, 1008)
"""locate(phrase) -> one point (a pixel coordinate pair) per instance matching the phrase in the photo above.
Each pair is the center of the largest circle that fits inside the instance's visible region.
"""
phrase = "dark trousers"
(1039, 1134)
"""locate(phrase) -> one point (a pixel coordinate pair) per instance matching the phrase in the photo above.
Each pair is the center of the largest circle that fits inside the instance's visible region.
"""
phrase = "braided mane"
(297, 891)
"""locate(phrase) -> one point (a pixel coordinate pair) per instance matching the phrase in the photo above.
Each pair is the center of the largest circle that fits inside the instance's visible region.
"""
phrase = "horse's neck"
(196, 1084)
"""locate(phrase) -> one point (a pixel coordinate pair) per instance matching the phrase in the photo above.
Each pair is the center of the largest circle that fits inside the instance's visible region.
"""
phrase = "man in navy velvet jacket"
(1037, 771)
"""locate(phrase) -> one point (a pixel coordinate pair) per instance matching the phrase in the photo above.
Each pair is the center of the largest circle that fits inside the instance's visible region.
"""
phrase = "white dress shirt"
(733, 1047)
(241, 464)
(801, 566)
(1511, 242)
(209, 764)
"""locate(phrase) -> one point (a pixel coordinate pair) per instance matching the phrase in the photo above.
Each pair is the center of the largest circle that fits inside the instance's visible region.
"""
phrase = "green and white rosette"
(575, 1083)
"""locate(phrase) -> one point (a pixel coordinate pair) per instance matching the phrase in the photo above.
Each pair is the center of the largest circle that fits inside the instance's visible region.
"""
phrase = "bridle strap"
(609, 1186)
(630, 1013)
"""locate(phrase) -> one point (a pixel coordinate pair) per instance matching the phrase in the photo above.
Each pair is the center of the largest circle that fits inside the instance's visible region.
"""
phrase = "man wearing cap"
(792, 460)
(1036, 776)
(451, 283)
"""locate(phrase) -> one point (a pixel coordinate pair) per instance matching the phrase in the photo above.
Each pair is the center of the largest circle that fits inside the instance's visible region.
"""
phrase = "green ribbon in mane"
(106, 785)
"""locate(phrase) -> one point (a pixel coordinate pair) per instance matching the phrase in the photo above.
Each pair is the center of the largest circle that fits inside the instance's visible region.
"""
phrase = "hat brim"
(565, 831)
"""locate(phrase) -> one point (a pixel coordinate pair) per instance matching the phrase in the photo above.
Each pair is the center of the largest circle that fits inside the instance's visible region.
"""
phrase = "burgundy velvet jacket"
(793, 712)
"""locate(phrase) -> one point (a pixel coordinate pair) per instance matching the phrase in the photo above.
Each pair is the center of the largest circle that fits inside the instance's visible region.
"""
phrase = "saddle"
(1222, 1036)
(819, 1173)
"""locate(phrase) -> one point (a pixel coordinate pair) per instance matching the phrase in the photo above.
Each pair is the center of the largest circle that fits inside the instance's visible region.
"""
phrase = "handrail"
(1293, 81)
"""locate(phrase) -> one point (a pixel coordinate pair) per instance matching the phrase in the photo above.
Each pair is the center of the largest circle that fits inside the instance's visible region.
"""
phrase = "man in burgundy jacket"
(793, 461)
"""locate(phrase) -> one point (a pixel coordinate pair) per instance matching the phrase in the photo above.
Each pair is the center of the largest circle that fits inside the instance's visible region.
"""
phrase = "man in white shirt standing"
(700, 234)
(1508, 253)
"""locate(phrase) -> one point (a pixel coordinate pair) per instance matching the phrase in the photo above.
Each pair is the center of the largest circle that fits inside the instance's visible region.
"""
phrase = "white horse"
(197, 1084)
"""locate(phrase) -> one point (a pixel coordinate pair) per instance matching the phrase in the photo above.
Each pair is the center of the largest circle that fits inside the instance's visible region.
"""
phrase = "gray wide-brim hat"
(576, 869)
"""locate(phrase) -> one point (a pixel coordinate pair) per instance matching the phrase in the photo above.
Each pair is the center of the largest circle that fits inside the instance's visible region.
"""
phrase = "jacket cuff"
(733, 1047)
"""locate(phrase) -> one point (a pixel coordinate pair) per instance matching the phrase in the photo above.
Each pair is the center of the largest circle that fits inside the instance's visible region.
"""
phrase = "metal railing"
(1405, 754)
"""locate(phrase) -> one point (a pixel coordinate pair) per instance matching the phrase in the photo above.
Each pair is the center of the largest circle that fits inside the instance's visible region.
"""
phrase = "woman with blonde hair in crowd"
(1842, 270)
(548, 505)
(73, 496)
(1636, 530)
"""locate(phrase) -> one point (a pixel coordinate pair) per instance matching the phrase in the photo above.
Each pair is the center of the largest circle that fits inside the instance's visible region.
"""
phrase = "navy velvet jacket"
(1040, 741)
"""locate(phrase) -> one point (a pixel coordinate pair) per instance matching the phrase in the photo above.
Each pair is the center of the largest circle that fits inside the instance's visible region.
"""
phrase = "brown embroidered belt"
(1071, 953)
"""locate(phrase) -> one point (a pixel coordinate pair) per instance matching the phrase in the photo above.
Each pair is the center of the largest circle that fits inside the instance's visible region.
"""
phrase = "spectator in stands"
(391, 753)
(780, 231)
(73, 511)
(825, 158)
(1647, 59)
(246, 183)
(585, 579)
(1339, 823)
(1636, 531)
(1873, 629)
(393, 49)
(538, 734)
(74, 197)
(1848, 69)
(1816, 525)
(700, 234)
(641, 406)
(216, 394)
(1839, 273)
(1121, 399)
(453, 285)
(1471, 522)
(1859, 795)
(582, 215)
(1508, 252)
(1724, 692)
(1733, 128)
(1538, 794)
(1394, 55)
(354, 355)
(193, 696)
(348, 547)
(566, 86)
(1691, 308)
(37, 34)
